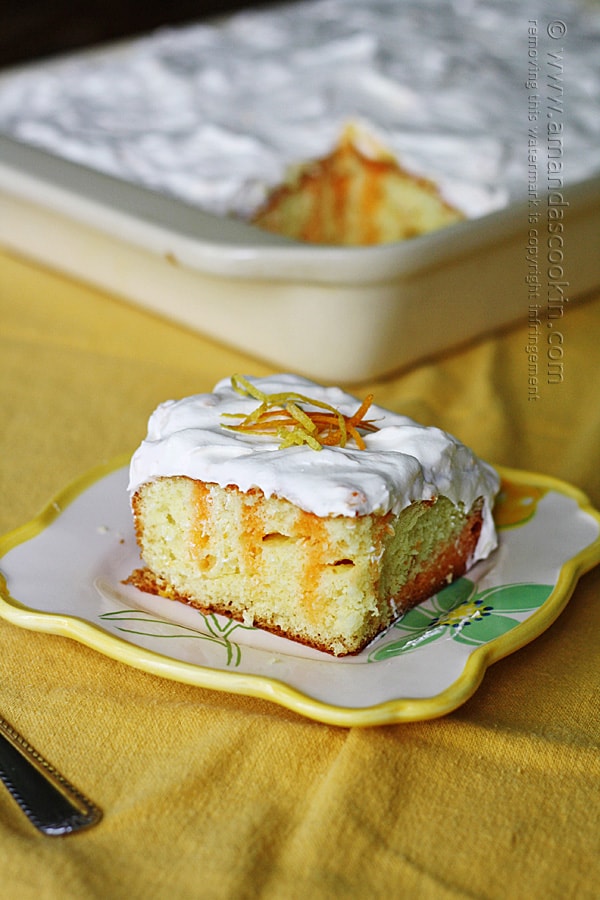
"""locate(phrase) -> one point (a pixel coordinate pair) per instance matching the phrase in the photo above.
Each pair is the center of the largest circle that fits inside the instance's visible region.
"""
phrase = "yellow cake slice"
(317, 524)
(356, 195)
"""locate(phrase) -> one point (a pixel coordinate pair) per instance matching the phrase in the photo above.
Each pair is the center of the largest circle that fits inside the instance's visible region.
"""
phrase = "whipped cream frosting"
(403, 461)
(213, 113)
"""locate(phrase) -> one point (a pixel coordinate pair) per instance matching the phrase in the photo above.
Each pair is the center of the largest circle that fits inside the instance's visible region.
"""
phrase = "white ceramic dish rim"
(228, 247)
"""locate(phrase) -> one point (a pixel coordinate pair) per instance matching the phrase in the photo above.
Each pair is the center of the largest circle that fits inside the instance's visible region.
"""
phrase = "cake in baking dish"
(298, 509)
(357, 195)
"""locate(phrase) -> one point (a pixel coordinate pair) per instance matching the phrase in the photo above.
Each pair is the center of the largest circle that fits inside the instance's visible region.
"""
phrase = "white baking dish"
(336, 314)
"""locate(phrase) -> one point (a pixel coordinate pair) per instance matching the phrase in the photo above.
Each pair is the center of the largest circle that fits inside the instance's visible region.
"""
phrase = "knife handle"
(49, 801)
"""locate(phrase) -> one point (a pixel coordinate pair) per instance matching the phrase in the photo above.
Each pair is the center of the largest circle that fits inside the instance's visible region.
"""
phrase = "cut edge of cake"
(357, 195)
(331, 583)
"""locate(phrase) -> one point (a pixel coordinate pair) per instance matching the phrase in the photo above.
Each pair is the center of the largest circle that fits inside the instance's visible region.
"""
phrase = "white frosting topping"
(403, 462)
(214, 112)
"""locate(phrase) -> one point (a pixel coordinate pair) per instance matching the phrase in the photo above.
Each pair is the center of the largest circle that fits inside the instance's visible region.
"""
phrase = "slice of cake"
(297, 508)
(357, 195)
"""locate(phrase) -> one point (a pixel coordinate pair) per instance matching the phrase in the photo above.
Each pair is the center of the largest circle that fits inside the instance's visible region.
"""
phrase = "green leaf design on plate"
(150, 626)
(415, 620)
(517, 597)
(456, 593)
(410, 642)
(476, 632)
(463, 614)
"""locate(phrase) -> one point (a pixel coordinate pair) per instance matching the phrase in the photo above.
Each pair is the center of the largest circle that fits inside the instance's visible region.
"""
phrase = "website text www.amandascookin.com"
(546, 275)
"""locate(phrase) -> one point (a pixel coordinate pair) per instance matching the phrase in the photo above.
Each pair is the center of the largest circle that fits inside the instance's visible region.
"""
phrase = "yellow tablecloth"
(211, 795)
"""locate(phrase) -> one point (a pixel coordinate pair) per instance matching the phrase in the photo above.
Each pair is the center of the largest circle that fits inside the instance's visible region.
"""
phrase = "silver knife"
(50, 802)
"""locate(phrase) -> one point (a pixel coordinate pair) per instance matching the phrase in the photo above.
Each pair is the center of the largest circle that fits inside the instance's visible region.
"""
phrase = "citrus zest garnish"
(281, 415)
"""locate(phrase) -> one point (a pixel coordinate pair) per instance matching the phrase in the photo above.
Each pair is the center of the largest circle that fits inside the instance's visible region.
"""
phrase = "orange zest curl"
(281, 415)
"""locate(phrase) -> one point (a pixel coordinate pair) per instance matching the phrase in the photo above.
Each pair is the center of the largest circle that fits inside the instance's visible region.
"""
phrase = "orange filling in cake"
(332, 583)
(299, 509)
(354, 197)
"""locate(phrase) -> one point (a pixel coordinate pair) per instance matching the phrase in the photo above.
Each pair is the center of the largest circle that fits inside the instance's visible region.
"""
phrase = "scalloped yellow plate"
(63, 573)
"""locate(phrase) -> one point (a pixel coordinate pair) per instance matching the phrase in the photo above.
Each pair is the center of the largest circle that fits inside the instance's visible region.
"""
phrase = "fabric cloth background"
(207, 794)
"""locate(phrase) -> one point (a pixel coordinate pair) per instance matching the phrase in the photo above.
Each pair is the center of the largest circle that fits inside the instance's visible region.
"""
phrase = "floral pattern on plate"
(464, 614)
(428, 664)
